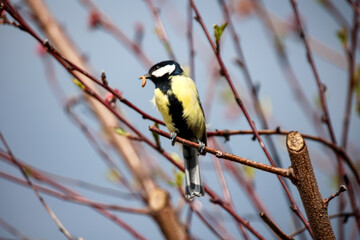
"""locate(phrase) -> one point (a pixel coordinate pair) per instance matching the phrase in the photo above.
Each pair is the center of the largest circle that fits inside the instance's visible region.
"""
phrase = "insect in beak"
(144, 77)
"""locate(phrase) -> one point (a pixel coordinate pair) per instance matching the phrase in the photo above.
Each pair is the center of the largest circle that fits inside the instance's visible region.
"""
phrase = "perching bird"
(177, 100)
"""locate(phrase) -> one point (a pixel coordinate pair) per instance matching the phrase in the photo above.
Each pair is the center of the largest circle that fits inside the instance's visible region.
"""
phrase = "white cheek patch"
(168, 69)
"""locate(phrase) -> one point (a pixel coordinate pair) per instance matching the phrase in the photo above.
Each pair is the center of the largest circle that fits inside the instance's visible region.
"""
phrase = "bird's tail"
(193, 184)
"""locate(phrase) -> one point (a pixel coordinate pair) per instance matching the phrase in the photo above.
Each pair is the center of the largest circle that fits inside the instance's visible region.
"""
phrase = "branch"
(160, 30)
(225, 73)
(341, 189)
(339, 215)
(29, 182)
(320, 85)
(274, 227)
(13, 231)
(351, 56)
(225, 189)
(228, 156)
(305, 181)
(124, 146)
(77, 199)
(326, 116)
(337, 149)
(252, 87)
(270, 21)
(43, 178)
(227, 77)
(101, 20)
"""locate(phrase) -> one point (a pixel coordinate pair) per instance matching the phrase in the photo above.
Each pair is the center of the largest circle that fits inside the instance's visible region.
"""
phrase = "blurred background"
(41, 133)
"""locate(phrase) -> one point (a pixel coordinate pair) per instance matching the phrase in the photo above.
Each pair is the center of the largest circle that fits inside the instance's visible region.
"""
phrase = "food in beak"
(143, 80)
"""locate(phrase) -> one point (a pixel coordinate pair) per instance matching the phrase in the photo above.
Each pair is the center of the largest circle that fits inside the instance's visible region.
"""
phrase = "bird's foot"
(173, 137)
(202, 148)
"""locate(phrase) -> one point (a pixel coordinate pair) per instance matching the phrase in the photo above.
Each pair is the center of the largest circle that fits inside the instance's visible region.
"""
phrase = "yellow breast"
(185, 90)
(162, 104)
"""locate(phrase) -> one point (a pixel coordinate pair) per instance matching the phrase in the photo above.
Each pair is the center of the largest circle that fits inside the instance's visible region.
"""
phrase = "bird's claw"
(173, 138)
(202, 148)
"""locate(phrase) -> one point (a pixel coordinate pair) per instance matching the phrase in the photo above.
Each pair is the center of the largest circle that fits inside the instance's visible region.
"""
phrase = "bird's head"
(162, 70)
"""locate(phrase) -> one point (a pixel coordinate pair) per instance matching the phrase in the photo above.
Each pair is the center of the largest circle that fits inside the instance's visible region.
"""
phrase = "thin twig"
(288, 71)
(252, 87)
(43, 178)
(354, 6)
(226, 192)
(105, 22)
(274, 227)
(29, 182)
(160, 30)
(338, 215)
(12, 230)
(341, 189)
(335, 13)
(247, 116)
(326, 116)
(337, 149)
(210, 225)
(77, 199)
(351, 56)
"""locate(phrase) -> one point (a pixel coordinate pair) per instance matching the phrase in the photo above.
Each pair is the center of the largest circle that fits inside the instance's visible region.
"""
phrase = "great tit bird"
(177, 100)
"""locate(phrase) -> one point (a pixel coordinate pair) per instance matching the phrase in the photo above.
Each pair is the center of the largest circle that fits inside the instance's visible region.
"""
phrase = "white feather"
(168, 69)
(153, 101)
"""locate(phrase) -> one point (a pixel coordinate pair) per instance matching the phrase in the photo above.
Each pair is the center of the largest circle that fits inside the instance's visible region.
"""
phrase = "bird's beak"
(144, 77)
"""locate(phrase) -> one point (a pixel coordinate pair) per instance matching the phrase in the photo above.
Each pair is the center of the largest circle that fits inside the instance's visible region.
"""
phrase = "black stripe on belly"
(176, 109)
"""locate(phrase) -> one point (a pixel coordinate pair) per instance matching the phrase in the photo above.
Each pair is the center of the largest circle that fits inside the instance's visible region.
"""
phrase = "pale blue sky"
(41, 134)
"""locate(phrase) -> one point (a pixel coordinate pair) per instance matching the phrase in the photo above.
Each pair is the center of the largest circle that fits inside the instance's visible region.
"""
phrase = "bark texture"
(305, 181)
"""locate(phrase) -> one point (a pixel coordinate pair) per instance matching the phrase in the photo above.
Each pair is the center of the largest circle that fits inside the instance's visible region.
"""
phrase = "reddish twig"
(104, 21)
(351, 56)
(247, 116)
(207, 223)
(212, 224)
(225, 190)
(43, 178)
(90, 186)
(12, 230)
(65, 63)
(228, 156)
(326, 116)
(287, 69)
(247, 186)
(274, 227)
(334, 147)
(253, 88)
(31, 185)
(354, 6)
(341, 189)
(222, 179)
(62, 98)
(160, 30)
(77, 199)
(344, 215)
(335, 13)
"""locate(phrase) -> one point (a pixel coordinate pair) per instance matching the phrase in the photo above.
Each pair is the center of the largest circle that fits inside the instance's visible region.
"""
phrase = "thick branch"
(164, 214)
(315, 206)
